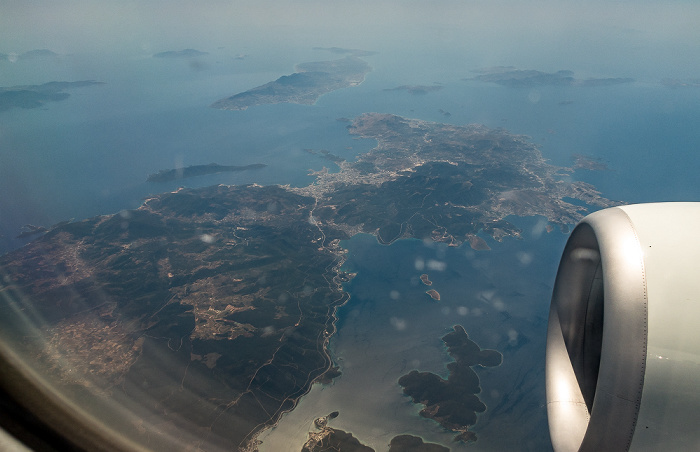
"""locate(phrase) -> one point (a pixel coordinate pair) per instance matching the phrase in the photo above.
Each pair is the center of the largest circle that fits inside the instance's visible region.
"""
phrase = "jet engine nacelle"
(623, 341)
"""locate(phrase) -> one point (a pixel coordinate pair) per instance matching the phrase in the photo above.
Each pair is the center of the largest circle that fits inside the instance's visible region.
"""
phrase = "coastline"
(253, 444)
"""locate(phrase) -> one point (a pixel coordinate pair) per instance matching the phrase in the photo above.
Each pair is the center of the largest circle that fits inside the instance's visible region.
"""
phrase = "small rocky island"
(434, 294)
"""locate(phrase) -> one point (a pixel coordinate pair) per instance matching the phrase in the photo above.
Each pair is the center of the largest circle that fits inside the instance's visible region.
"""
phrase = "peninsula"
(29, 230)
(334, 440)
(236, 287)
(444, 183)
(199, 170)
(328, 439)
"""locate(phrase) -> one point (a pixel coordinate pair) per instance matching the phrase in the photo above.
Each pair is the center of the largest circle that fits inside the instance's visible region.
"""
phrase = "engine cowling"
(623, 340)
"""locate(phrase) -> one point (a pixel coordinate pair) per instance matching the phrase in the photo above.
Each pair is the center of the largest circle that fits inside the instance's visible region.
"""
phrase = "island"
(353, 52)
(236, 287)
(199, 170)
(510, 76)
(681, 83)
(453, 402)
(186, 53)
(29, 230)
(309, 82)
(433, 294)
(35, 96)
(416, 89)
(37, 53)
(477, 243)
(425, 280)
(588, 163)
(29, 55)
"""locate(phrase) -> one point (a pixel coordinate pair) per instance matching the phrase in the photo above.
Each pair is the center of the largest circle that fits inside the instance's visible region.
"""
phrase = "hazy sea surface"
(391, 326)
(91, 153)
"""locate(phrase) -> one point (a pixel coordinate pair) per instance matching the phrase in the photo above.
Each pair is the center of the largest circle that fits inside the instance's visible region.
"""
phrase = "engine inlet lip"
(598, 316)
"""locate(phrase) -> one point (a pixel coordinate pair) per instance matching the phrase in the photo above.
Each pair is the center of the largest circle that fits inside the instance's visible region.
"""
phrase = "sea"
(91, 154)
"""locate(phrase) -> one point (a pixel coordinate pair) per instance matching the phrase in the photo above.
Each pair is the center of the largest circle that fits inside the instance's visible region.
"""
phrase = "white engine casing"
(623, 341)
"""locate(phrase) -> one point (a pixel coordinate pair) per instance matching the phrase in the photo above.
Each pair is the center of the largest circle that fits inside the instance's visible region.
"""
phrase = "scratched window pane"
(285, 226)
